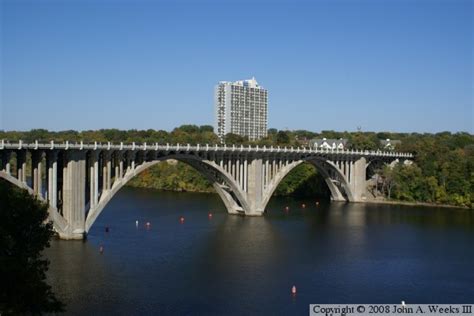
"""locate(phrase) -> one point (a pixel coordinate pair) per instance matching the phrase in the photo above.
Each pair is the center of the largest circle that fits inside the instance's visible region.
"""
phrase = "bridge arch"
(322, 166)
(225, 186)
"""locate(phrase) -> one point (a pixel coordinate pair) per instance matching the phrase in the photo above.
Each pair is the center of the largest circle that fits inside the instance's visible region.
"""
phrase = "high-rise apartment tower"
(241, 108)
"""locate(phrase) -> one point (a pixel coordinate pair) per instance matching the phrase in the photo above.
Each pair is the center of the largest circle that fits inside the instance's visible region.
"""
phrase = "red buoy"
(317, 202)
(181, 219)
(210, 215)
(303, 205)
(293, 290)
(287, 208)
(147, 225)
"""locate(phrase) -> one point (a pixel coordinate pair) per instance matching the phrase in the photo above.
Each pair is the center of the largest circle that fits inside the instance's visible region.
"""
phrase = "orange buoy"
(101, 249)
(303, 205)
(181, 219)
(293, 290)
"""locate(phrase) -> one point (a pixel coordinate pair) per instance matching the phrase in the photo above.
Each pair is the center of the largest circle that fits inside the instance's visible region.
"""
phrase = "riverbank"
(303, 181)
(425, 204)
(389, 202)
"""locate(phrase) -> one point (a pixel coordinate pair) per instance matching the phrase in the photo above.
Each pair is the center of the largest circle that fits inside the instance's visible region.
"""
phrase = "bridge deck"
(197, 148)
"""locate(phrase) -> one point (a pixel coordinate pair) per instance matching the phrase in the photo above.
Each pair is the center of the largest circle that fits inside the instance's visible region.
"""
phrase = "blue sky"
(403, 65)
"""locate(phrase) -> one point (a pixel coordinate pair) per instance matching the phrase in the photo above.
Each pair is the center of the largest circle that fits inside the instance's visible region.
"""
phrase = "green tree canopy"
(23, 236)
(282, 138)
(234, 139)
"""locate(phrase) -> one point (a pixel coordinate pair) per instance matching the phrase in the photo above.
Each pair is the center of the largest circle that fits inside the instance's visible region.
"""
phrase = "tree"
(234, 139)
(365, 141)
(282, 138)
(388, 181)
(272, 131)
(206, 128)
(189, 128)
(23, 236)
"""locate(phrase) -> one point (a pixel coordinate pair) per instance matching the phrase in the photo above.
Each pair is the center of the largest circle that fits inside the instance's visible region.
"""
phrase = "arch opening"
(333, 187)
(172, 175)
(210, 178)
(303, 181)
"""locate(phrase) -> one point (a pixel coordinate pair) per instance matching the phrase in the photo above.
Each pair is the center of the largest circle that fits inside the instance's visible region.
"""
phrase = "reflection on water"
(332, 252)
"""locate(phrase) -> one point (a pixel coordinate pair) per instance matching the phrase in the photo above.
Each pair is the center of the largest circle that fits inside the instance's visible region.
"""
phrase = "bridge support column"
(21, 165)
(6, 156)
(255, 188)
(104, 172)
(121, 167)
(74, 194)
(245, 182)
(109, 172)
(36, 168)
(52, 163)
(358, 181)
(94, 179)
(132, 162)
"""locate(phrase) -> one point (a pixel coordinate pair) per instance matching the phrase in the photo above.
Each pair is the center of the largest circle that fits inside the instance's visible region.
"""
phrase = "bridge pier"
(74, 188)
(255, 188)
(358, 182)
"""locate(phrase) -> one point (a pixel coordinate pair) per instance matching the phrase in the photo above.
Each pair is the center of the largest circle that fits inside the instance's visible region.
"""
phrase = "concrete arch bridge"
(78, 180)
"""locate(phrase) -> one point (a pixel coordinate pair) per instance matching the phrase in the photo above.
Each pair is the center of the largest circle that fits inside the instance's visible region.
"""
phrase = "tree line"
(442, 170)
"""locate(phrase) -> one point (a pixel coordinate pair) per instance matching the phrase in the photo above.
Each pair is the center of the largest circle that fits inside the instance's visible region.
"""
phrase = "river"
(233, 265)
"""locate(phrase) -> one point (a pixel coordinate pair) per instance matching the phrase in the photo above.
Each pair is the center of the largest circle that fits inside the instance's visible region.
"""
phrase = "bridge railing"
(188, 148)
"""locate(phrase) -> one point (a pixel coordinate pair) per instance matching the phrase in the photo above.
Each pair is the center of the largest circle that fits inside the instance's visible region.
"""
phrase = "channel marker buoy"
(293, 290)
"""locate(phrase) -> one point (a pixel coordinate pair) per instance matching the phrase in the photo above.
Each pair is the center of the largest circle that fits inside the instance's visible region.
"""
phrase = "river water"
(233, 265)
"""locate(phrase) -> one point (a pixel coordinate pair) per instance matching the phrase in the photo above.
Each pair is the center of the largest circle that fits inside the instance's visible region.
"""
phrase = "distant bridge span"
(80, 179)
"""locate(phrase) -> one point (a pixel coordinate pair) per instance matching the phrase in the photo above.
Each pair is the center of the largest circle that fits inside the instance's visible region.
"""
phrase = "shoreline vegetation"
(423, 204)
(369, 201)
(441, 173)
